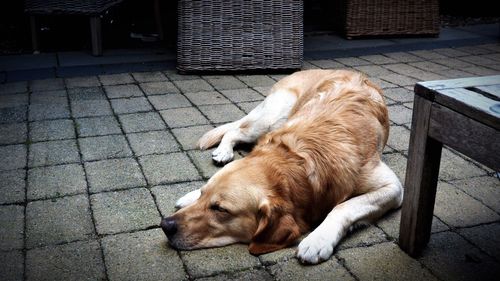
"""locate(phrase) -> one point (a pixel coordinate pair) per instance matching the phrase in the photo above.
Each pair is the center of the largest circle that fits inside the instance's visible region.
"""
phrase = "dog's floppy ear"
(275, 231)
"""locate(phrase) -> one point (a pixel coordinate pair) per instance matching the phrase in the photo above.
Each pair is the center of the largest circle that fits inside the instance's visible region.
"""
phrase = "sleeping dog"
(316, 167)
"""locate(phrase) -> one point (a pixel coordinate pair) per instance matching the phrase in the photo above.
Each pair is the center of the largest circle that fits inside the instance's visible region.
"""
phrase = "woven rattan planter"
(388, 17)
(234, 35)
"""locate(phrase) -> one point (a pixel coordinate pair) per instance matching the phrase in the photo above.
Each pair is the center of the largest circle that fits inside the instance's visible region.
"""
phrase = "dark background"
(64, 33)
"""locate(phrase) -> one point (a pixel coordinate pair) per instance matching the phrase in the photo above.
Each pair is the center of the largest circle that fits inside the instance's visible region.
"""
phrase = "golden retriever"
(317, 166)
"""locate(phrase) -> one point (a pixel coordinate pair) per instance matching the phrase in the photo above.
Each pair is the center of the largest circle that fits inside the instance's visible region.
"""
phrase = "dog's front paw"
(314, 249)
(222, 156)
(188, 199)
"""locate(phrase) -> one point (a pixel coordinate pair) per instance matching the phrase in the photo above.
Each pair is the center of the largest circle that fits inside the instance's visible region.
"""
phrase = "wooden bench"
(463, 114)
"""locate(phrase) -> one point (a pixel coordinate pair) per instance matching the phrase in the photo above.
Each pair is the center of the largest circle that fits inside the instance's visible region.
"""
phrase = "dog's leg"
(188, 199)
(268, 115)
(385, 193)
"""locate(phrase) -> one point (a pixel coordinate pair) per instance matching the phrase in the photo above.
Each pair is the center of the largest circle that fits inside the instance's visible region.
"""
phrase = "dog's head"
(235, 206)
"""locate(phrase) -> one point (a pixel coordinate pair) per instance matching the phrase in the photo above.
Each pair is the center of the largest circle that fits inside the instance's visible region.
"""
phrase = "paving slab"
(116, 79)
(104, 147)
(397, 162)
(204, 163)
(159, 88)
(193, 86)
(183, 117)
(450, 257)
(55, 96)
(485, 237)
(12, 268)
(222, 113)
(399, 94)
(44, 111)
(378, 59)
(384, 261)
(149, 76)
(252, 274)
(130, 105)
(14, 87)
(400, 115)
(225, 82)
(113, 174)
(382, 84)
(455, 167)
(399, 138)
(458, 209)
(47, 84)
(398, 79)
(352, 61)
(168, 168)
(403, 57)
(55, 181)
(121, 211)
(293, 270)
(200, 263)
(13, 114)
(52, 130)
(12, 186)
(141, 122)
(13, 133)
(481, 71)
(123, 91)
(485, 189)
(13, 156)
(174, 75)
(155, 142)
(142, 255)
(264, 90)
(373, 70)
(97, 126)
(390, 223)
(275, 257)
(430, 66)
(326, 64)
(362, 237)
(167, 195)
(207, 97)
(13, 100)
(256, 80)
(53, 153)
(249, 106)
(90, 108)
(73, 261)
(12, 225)
(241, 95)
(188, 137)
(60, 220)
(92, 93)
(161, 102)
(82, 82)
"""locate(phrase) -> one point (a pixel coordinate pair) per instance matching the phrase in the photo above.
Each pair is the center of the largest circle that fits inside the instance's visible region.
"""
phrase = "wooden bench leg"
(95, 32)
(422, 173)
(35, 40)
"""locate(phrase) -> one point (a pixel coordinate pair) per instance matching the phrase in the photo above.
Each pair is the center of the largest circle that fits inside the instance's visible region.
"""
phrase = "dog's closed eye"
(218, 208)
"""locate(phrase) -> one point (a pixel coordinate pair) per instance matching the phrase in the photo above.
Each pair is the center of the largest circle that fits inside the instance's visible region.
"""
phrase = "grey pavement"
(90, 164)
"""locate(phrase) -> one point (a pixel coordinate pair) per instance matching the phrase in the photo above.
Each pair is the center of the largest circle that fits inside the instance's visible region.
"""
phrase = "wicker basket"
(388, 17)
(233, 35)
(82, 7)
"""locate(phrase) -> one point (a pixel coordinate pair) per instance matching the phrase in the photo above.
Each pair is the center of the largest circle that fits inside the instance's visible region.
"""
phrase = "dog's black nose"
(169, 226)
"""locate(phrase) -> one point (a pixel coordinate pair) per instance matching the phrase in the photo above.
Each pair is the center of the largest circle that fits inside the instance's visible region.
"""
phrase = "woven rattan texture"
(233, 35)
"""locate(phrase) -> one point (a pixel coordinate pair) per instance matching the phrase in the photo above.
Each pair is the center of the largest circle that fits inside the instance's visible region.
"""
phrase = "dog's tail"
(214, 136)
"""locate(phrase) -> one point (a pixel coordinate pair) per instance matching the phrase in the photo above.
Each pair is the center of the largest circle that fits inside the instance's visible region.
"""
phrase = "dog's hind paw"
(188, 199)
(314, 249)
(222, 156)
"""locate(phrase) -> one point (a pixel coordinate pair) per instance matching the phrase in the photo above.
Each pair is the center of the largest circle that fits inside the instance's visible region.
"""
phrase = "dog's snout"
(169, 226)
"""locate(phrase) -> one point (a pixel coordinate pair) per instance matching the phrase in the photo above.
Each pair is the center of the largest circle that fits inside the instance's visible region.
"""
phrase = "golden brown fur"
(322, 156)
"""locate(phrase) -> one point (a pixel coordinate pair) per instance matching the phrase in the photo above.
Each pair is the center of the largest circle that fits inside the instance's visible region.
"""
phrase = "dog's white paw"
(222, 156)
(188, 199)
(314, 249)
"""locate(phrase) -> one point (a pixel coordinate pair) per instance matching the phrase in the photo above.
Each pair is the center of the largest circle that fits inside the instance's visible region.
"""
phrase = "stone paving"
(89, 165)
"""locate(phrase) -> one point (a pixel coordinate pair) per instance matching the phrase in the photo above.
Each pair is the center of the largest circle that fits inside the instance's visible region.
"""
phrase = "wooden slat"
(470, 103)
(422, 171)
(492, 90)
(462, 82)
(476, 140)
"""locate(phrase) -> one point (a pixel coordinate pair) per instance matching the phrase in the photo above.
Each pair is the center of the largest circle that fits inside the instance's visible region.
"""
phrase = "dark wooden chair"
(91, 8)
(463, 114)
